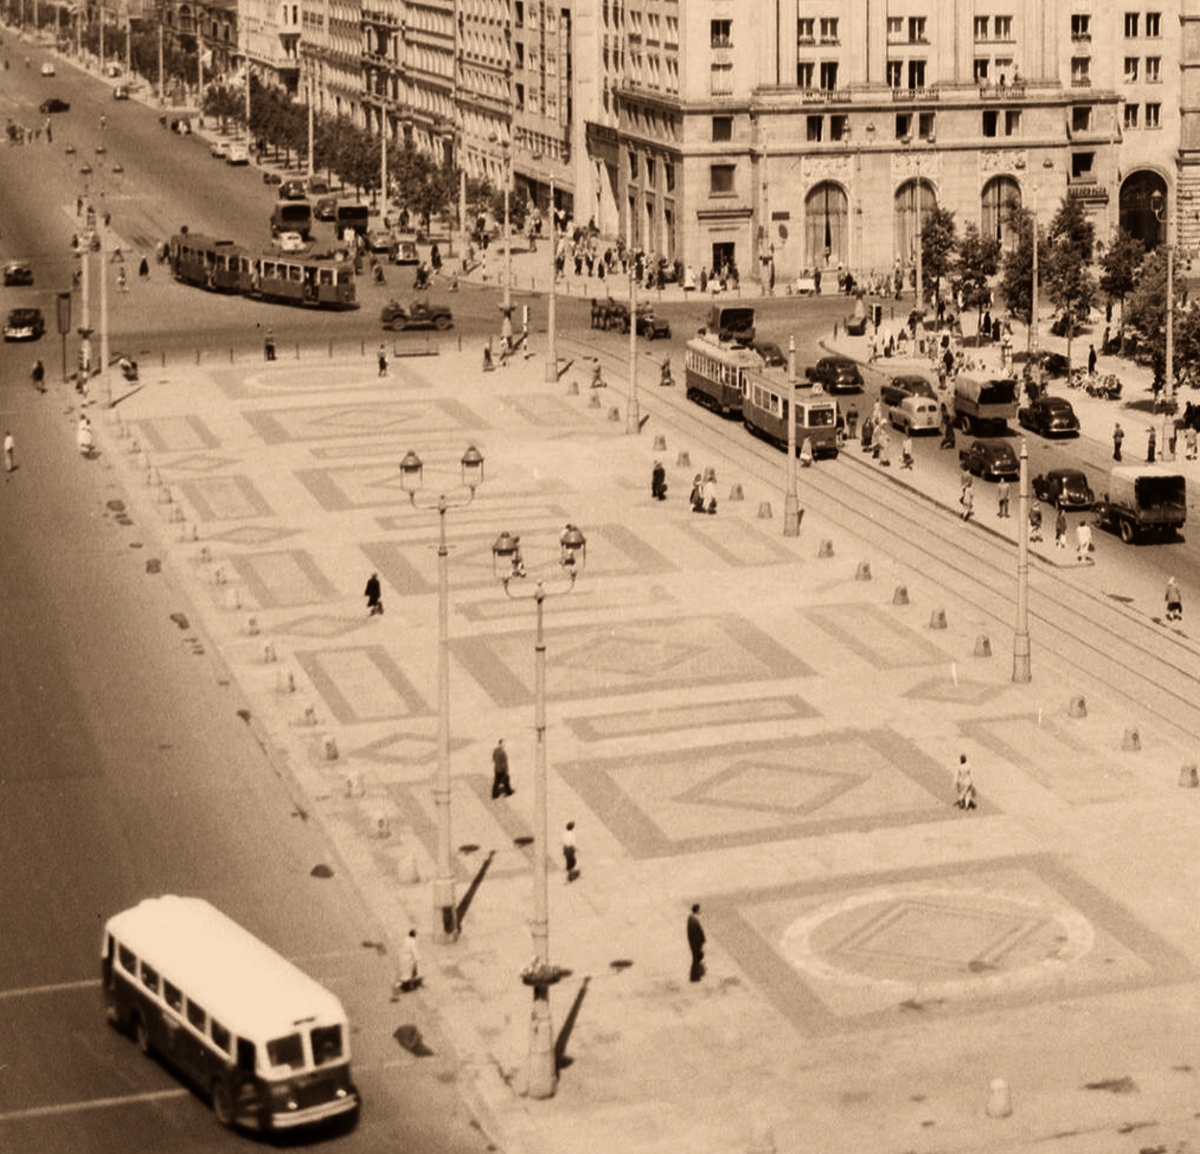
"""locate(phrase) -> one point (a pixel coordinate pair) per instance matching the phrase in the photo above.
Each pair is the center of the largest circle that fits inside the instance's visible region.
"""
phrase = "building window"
(829, 72)
(722, 129)
(981, 27)
(925, 125)
(916, 74)
(649, 172)
(669, 175)
(806, 30)
(1081, 118)
(1131, 24)
(1081, 27)
(829, 30)
(1131, 116)
(1153, 69)
(895, 73)
(1081, 165)
(1153, 114)
(839, 127)
(814, 126)
(720, 179)
(722, 78)
(519, 14)
(1012, 122)
(904, 126)
(722, 31)
(1003, 28)
(1081, 71)
(895, 29)
(804, 74)
(981, 69)
(916, 30)
(1154, 24)
(1131, 69)
(519, 97)
(633, 165)
(991, 119)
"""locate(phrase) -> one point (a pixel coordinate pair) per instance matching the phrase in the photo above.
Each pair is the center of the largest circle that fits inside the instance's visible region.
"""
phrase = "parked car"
(772, 355)
(906, 385)
(272, 178)
(24, 325)
(219, 149)
(121, 92)
(54, 104)
(836, 375)
(238, 154)
(18, 272)
(405, 252)
(47, 69)
(326, 208)
(1049, 416)
(1066, 487)
(318, 186)
(990, 461)
(289, 242)
(379, 241)
(418, 315)
(292, 190)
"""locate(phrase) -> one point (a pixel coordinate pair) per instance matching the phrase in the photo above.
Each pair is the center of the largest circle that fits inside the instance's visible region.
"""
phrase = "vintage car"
(326, 208)
(614, 314)
(24, 325)
(54, 104)
(772, 355)
(18, 272)
(418, 315)
(990, 460)
(1066, 487)
(836, 375)
(1049, 416)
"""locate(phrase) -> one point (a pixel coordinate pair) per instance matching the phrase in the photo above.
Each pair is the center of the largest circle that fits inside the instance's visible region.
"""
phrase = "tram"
(318, 281)
(765, 413)
(715, 373)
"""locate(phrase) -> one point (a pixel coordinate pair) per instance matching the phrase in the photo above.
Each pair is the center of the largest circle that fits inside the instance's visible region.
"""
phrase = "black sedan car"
(18, 272)
(418, 315)
(1049, 416)
(53, 104)
(772, 355)
(836, 375)
(1066, 487)
(990, 461)
(24, 325)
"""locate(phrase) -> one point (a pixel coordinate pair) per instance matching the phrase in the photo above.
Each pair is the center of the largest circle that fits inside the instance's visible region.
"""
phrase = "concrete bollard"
(937, 619)
(285, 682)
(329, 749)
(660, 443)
(826, 548)
(614, 414)
(764, 511)
(1132, 741)
(900, 595)
(983, 646)
(999, 1104)
(353, 783)
(269, 654)
(381, 825)
(594, 403)
(134, 447)
(863, 572)
(573, 389)
(684, 460)
(252, 626)
(736, 494)
(1078, 706)
(1189, 776)
(310, 715)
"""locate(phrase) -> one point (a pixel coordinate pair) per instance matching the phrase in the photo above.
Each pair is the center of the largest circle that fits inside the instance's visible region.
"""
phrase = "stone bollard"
(1189, 776)
(285, 682)
(354, 784)
(736, 494)
(684, 460)
(863, 572)
(573, 389)
(983, 646)
(660, 443)
(269, 654)
(310, 715)
(134, 447)
(826, 548)
(594, 403)
(1132, 741)
(329, 749)
(251, 626)
(764, 511)
(1078, 706)
(381, 825)
(937, 619)
(999, 1103)
(614, 414)
(900, 595)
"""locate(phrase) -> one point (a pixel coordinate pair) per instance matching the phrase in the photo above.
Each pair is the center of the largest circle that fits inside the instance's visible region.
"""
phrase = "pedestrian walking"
(658, 482)
(696, 940)
(1151, 441)
(806, 453)
(83, 436)
(1091, 360)
(144, 269)
(906, 453)
(1083, 542)
(1174, 600)
(868, 431)
(1190, 442)
(10, 452)
(374, 597)
(964, 785)
(1060, 529)
(569, 849)
(967, 501)
(1035, 521)
(383, 360)
(1003, 496)
(122, 280)
(1118, 435)
(269, 345)
(38, 376)
(709, 490)
(409, 974)
(852, 422)
(501, 783)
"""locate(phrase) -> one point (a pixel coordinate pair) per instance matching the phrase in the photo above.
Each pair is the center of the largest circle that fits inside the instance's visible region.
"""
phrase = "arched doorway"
(1137, 216)
(906, 228)
(1000, 196)
(827, 230)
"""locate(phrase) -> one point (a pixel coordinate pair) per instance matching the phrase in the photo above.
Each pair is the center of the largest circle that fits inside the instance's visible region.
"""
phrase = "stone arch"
(999, 197)
(911, 194)
(827, 226)
(1136, 210)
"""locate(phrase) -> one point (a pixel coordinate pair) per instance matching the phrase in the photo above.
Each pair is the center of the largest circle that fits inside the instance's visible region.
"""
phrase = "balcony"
(1002, 92)
(915, 95)
(824, 95)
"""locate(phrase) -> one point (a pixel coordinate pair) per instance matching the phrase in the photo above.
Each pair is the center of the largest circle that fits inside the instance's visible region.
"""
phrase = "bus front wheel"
(222, 1102)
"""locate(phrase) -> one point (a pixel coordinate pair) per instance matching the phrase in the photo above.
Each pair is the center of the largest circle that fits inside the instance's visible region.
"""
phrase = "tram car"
(308, 279)
(765, 413)
(715, 372)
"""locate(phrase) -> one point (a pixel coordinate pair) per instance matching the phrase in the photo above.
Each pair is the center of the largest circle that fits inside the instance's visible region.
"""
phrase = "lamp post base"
(1022, 669)
(542, 1062)
(445, 912)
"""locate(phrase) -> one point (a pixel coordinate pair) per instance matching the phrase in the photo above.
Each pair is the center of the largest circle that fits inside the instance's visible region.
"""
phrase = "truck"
(984, 404)
(732, 323)
(1143, 501)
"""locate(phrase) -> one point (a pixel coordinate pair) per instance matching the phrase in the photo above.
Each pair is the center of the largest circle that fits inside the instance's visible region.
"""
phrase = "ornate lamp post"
(541, 975)
(1161, 208)
(791, 499)
(445, 908)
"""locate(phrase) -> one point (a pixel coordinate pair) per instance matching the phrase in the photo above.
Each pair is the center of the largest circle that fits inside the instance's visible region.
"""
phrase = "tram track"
(1084, 628)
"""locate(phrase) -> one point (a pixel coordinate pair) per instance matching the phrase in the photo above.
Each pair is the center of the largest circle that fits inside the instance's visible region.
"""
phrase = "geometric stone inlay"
(670, 718)
(284, 578)
(876, 635)
(321, 625)
(362, 684)
(176, 434)
(406, 748)
(327, 422)
(771, 788)
(954, 692)
(253, 535)
(224, 498)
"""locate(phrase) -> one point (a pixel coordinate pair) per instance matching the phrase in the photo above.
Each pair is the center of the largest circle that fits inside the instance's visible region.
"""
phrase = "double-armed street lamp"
(1022, 667)
(541, 975)
(445, 908)
(1160, 206)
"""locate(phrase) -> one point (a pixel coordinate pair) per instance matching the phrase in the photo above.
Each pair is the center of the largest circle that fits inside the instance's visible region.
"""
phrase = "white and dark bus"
(269, 1045)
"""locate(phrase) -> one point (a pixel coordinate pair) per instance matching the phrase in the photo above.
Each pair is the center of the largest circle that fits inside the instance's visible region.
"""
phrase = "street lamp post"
(920, 286)
(1021, 666)
(541, 975)
(445, 908)
(507, 231)
(1161, 209)
(791, 499)
(552, 300)
(633, 422)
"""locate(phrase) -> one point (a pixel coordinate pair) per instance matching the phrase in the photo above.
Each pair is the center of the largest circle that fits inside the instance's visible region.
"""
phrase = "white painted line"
(93, 1104)
(39, 991)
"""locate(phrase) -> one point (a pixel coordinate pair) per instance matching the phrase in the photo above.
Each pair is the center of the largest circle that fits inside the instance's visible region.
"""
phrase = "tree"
(978, 261)
(1145, 313)
(1119, 270)
(938, 237)
(1069, 280)
(1016, 270)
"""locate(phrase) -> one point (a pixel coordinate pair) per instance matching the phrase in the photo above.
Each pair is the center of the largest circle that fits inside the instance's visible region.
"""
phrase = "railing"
(1002, 92)
(907, 95)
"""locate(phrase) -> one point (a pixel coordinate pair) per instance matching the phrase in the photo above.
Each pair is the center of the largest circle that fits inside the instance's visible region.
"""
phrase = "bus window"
(197, 1016)
(220, 1035)
(149, 978)
(820, 418)
(286, 1051)
(128, 959)
(326, 1044)
(173, 997)
(245, 1055)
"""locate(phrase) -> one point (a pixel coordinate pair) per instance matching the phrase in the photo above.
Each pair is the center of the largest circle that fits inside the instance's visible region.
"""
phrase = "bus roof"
(236, 978)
